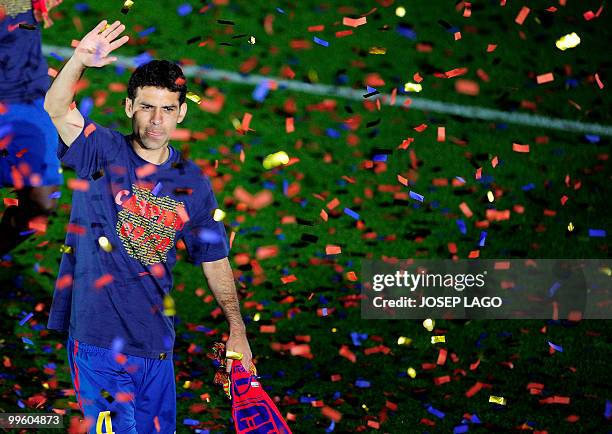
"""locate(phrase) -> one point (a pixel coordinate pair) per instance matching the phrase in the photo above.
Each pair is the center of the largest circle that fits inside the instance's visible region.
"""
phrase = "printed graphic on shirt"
(147, 224)
(16, 7)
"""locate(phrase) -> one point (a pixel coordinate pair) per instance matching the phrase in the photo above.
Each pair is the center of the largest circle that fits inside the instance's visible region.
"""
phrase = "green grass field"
(335, 149)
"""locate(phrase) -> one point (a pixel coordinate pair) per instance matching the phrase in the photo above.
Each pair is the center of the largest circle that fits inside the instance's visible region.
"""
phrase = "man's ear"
(129, 108)
(182, 112)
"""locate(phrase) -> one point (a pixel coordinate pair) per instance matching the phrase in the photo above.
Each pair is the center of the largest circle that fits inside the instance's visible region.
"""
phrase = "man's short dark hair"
(158, 73)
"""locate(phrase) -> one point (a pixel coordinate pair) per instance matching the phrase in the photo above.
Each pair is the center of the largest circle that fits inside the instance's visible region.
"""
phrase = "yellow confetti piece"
(275, 160)
(334, 330)
(218, 215)
(429, 324)
(570, 40)
(411, 372)
(438, 339)
(46, 385)
(403, 340)
(378, 50)
(497, 400)
(127, 5)
(400, 11)
(313, 76)
(606, 270)
(105, 244)
(236, 124)
(169, 309)
(194, 97)
(187, 384)
(65, 249)
(570, 227)
(252, 40)
(490, 196)
(257, 317)
(412, 87)
(233, 355)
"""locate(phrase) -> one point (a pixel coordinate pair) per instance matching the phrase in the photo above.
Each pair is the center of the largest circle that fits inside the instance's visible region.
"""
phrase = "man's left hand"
(238, 343)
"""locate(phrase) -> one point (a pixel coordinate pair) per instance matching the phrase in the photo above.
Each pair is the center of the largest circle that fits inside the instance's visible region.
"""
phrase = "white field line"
(472, 112)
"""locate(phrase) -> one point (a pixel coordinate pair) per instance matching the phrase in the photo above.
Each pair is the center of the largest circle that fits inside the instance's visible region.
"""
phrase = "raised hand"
(95, 47)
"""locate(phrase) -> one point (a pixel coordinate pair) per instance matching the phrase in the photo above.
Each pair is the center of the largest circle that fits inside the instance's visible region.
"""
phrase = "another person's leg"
(28, 163)
(156, 397)
(104, 389)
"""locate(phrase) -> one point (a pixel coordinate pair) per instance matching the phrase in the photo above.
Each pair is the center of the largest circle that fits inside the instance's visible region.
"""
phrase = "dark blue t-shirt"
(116, 299)
(23, 69)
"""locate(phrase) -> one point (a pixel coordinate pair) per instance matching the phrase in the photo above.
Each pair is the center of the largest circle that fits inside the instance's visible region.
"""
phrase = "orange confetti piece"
(467, 87)
(333, 203)
(52, 72)
(465, 209)
(146, 170)
(246, 121)
(494, 162)
(491, 48)
(441, 134)
(474, 254)
(545, 78)
(331, 249)
(516, 147)
(289, 126)
(520, 18)
(301, 350)
(457, 36)
(351, 276)
(354, 22)
(89, 129)
(78, 184)
(323, 215)
(599, 83)
(455, 72)
(267, 329)
(265, 252)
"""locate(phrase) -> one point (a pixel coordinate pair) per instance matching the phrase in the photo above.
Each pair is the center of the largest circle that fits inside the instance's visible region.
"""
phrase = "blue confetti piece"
(81, 7)
(483, 237)
(597, 233)
(331, 427)
(351, 213)
(460, 429)
(608, 410)
(142, 58)
(370, 89)
(184, 9)
(26, 319)
(285, 186)
(261, 91)
(147, 32)
(330, 132)
(461, 226)
(553, 289)
(86, 106)
(5, 130)
(460, 179)
(119, 69)
(555, 347)
(320, 41)
(27, 341)
(307, 399)
(592, 138)
(475, 418)
(157, 189)
(117, 345)
(56, 57)
(436, 412)
(406, 32)
(380, 158)
(20, 403)
(280, 11)
(362, 384)
(528, 187)
(324, 311)
(209, 236)
(24, 233)
(55, 195)
(191, 422)
(416, 196)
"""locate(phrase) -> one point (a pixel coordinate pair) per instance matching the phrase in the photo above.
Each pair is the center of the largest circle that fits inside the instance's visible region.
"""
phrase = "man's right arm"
(92, 51)
(68, 122)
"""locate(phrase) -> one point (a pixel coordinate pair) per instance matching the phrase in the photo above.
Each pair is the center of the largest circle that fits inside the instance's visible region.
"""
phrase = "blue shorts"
(135, 395)
(28, 146)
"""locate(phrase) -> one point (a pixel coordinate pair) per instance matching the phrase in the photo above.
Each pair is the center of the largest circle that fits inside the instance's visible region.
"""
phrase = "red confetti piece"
(89, 129)
(267, 329)
(420, 128)
(545, 78)
(441, 134)
(494, 162)
(246, 121)
(474, 389)
(491, 48)
(348, 354)
(373, 424)
(332, 414)
(599, 83)
(103, 281)
(323, 215)
(457, 36)
(75, 229)
(442, 380)
(124, 396)
(331, 249)
(318, 28)
(156, 423)
(288, 279)
(9, 201)
(333, 204)
(343, 33)
(52, 72)
(146, 170)
(64, 281)
(555, 400)
(441, 357)
(354, 22)
(520, 18)
(455, 72)
(351, 276)
(474, 254)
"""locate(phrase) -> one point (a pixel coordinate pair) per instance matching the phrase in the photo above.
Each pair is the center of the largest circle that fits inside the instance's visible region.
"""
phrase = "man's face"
(154, 112)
